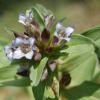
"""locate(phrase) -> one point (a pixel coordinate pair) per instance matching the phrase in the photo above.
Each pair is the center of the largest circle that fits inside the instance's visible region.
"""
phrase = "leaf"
(8, 72)
(38, 91)
(7, 75)
(2, 43)
(38, 18)
(80, 63)
(84, 71)
(94, 34)
(49, 93)
(22, 82)
(77, 39)
(97, 76)
(36, 73)
(76, 54)
(4, 60)
(43, 10)
(87, 90)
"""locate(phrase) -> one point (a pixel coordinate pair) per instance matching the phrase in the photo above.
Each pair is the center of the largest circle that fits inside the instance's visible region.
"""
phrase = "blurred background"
(81, 14)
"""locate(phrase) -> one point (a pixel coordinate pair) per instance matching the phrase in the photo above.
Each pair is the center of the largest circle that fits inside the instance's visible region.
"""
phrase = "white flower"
(17, 54)
(8, 52)
(21, 47)
(25, 19)
(59, 26)
(63, 33)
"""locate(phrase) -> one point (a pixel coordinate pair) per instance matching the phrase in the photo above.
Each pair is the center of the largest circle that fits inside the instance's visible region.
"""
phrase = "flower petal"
(9, 52)
(17, 41)
(69, 31)
(67, 39)
(22, 18)
(10, 56)
(29, 55)
(18, 54)
(31, 41)
(59, 26)
(6, 49)
(56, 33)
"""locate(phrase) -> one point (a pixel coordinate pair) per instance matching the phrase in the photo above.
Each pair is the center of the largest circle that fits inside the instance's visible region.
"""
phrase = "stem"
(30, 93)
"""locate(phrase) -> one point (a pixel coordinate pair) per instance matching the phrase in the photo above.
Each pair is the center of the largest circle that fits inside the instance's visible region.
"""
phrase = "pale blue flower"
(63, 33)
(21, 47)
(25, 19)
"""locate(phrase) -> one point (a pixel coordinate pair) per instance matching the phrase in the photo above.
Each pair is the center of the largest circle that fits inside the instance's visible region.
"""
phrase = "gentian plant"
(47, 57)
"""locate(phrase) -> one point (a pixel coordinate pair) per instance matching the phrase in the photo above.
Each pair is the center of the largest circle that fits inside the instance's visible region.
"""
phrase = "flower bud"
(37, 56)
(23, 70)
(66, 79)
(45, 74)
(45, 36)
(52, 65)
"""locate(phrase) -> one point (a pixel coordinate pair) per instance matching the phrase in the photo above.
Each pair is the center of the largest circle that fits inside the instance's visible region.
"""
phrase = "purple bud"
(45, 74)
(24, 73)
(37, 56)
(52, 65)
(66, 79)
(45, 35)
(23, 70)
(55, 39)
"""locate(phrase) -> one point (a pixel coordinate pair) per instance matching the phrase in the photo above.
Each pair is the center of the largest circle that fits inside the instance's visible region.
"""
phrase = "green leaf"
(36, 73)
(76, 55)
(43, 10)
(22, 82)
(77, 39)
(85, 91)
(97, 76)
(81, 62)
(38, 91)
(94, 34)
(49, 93)
(8, 72)
(84, 71)
(4, 60)
(39, 18)
(2, 44)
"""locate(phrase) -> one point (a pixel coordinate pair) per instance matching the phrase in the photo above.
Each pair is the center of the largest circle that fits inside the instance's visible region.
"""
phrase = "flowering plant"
(47, 57)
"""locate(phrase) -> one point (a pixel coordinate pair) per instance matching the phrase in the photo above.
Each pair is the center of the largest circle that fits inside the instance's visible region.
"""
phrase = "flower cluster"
(38, 39)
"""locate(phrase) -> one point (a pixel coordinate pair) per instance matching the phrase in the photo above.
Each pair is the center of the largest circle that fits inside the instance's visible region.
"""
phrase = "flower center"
(25, 48)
